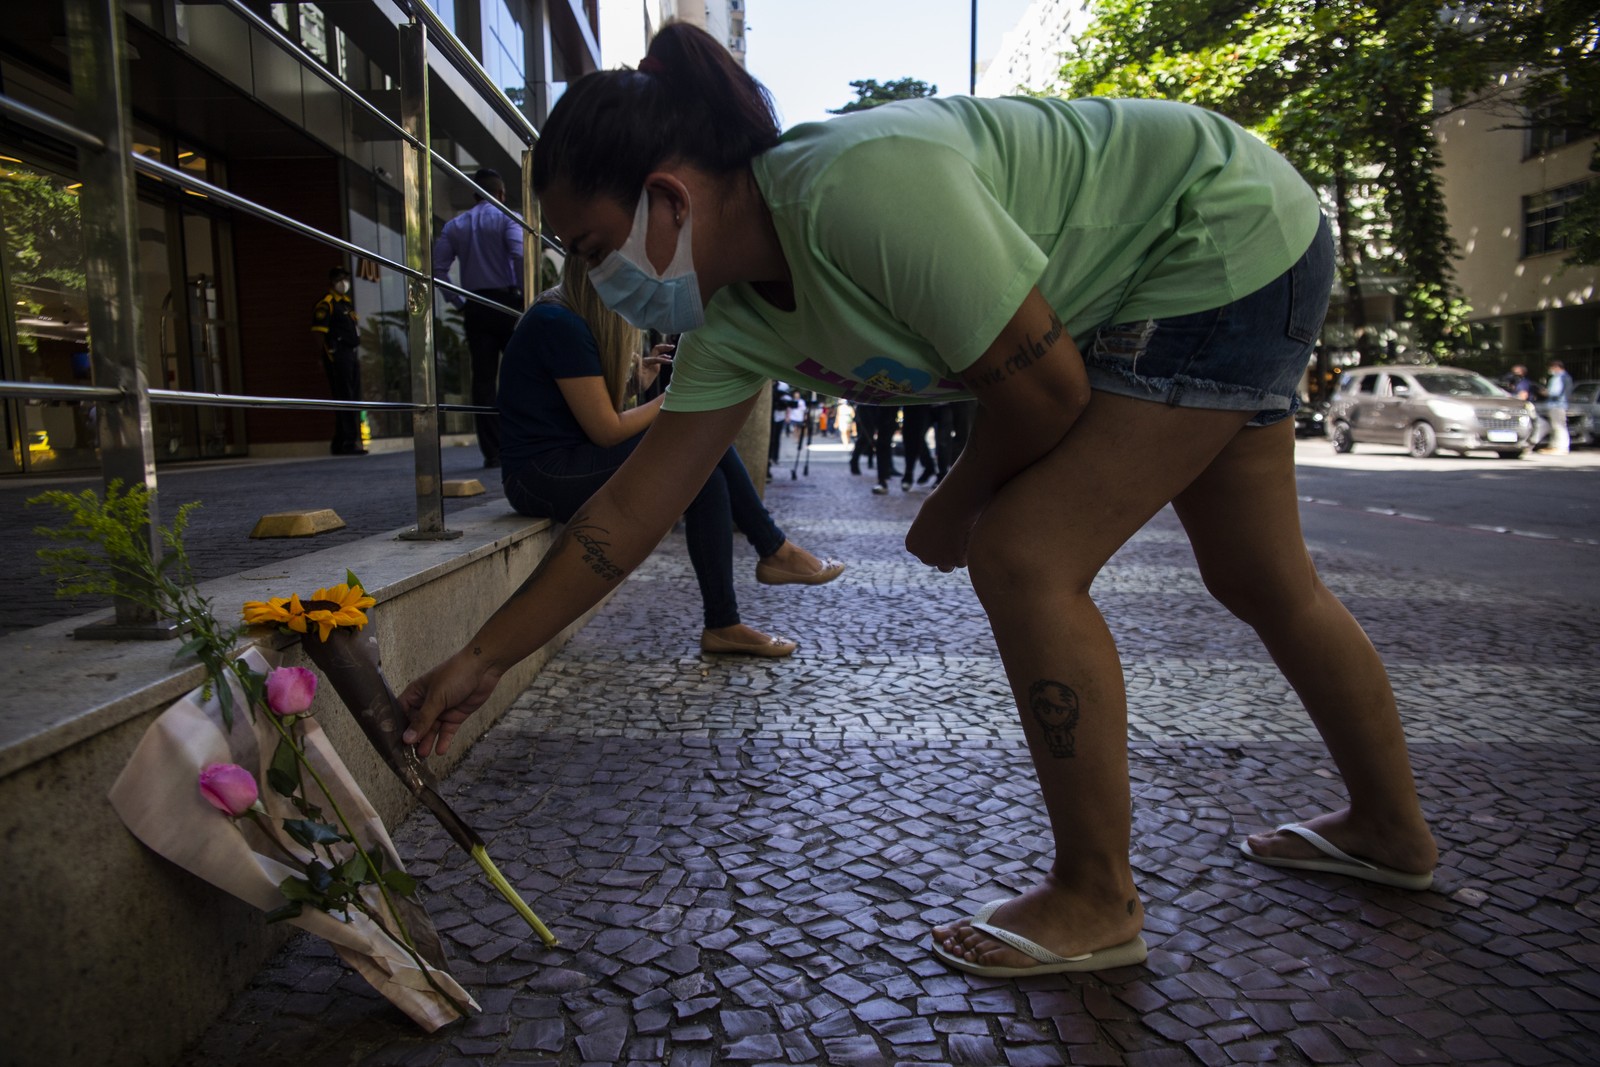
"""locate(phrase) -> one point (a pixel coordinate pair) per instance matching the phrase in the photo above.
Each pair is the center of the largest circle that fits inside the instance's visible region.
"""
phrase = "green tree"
(871, 93)
(1349, 91)
(44, 236)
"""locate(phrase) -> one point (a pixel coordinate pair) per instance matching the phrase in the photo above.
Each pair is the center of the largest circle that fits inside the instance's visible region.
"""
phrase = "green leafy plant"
(102, 550)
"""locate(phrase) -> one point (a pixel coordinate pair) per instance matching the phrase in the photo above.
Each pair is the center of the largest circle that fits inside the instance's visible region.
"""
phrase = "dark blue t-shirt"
(550, 342)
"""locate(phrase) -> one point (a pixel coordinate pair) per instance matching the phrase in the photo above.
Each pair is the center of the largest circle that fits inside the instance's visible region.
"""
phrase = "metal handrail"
(289, 45)
(65, 130)
(60, 391)
(78, 393)
(468, 65)
(158, 169)
(96, 37)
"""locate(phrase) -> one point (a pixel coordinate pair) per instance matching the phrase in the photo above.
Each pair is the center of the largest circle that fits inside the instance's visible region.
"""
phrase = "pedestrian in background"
(1558, 395)
(337, 326)
(1519, 385)
(1030, 253)
(487, 243)
(567, 376)
(916, 420)
(782, 398)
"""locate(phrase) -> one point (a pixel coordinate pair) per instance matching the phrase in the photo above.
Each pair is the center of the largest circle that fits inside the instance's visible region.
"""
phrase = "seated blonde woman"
(565, 428)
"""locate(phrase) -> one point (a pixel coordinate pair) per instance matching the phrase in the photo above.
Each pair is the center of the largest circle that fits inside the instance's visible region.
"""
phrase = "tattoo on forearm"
(1056, 708)
(1027, 354)
(593, 540)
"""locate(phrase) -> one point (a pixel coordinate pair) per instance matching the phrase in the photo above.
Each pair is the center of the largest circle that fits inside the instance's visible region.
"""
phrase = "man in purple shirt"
(488, 245)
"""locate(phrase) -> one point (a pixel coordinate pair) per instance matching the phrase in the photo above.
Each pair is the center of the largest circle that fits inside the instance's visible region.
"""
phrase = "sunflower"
(350, 602)
(285, 611)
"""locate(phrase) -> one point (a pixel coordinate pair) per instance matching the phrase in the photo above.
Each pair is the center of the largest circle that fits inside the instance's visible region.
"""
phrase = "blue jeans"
(1248, 355)
(555, 485)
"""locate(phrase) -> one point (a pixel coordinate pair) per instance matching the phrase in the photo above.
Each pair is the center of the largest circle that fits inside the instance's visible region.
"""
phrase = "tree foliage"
(870, 93)
(1349, 91)
(44, 236)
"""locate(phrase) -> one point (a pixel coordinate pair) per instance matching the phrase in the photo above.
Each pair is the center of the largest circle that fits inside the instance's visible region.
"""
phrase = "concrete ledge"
(128, 958)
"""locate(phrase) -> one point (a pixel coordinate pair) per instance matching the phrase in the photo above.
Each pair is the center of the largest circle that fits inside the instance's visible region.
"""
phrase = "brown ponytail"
(696, 104)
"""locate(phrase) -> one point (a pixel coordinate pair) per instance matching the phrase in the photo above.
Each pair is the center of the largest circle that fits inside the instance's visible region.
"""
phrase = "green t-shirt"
(913, 232)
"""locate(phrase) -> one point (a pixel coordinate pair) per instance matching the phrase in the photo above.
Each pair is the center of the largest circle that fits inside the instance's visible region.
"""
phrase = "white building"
(1506, 191)
(628, 25)
(1030, 53)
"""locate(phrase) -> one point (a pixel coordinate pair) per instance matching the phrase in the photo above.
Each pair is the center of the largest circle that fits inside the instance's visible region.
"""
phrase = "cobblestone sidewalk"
(742, 858)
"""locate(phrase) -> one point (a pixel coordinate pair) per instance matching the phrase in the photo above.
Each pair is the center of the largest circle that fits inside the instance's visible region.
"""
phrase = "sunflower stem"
(498, 880)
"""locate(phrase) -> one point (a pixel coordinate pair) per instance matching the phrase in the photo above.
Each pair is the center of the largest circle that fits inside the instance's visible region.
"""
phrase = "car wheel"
(1422, 442)
(1511, 453)
(1343, 439)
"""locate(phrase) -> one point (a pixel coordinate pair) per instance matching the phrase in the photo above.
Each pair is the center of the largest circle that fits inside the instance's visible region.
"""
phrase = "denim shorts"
(1249, 355)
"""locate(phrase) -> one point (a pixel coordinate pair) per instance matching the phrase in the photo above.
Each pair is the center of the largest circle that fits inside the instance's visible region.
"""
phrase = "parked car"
(1311, 419)
(1425, 409)
(1583, 416)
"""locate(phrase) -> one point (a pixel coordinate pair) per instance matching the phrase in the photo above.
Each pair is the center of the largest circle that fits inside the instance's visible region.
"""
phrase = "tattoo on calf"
(1056, 708)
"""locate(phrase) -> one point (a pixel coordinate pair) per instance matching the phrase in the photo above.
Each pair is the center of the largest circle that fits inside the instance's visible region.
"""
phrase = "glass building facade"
(226, 91)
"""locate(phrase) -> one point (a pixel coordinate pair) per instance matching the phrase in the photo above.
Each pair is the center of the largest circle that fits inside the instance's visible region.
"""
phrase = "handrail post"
(98, 51)
(418, 190)
(532, 246)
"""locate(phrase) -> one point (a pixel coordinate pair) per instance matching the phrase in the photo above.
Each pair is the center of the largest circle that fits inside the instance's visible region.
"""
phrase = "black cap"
(336, 273)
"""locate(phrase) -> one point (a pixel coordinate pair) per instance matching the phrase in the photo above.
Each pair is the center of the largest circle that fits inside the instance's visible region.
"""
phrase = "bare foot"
(1048, 915)
(1403, 848)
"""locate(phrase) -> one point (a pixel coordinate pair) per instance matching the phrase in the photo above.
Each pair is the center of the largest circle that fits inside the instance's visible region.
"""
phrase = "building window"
(1541, 218)
(503, 46)
(446, 10)
(314, 32)
(1549, 128)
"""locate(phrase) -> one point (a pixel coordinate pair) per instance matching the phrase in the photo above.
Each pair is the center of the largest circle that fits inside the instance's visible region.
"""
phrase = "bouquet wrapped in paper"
(252, 842)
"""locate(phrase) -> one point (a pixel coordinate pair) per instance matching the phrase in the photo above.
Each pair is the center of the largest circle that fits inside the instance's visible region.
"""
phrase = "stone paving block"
(775, 876)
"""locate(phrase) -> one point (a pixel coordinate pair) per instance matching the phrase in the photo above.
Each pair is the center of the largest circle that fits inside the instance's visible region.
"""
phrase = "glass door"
(46, 336)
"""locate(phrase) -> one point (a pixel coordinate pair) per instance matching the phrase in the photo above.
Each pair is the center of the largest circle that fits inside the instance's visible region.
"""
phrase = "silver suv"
(1425, 408)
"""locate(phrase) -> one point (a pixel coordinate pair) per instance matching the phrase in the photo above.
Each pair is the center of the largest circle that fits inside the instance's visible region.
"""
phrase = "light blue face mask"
(668, 302)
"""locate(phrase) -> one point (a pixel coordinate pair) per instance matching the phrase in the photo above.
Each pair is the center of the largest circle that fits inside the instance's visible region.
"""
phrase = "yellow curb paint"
(463, 487)
(297, 523)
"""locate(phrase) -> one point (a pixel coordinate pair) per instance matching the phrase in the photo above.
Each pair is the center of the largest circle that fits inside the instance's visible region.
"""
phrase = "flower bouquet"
(331, 624)
(307, 849)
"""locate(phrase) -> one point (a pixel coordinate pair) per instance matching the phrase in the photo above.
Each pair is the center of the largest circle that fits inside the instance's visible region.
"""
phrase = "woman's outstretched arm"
(606, 539)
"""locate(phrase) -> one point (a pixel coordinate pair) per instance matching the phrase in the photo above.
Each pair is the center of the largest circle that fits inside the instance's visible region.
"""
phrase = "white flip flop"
(1337, 861)
(1123, 955)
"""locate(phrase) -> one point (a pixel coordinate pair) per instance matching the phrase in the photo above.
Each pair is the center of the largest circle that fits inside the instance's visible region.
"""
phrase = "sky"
(807, 52)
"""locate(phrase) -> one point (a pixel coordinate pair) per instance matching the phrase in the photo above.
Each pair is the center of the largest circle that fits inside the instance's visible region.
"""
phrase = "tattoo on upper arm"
(1028, 353)
(1055, 706)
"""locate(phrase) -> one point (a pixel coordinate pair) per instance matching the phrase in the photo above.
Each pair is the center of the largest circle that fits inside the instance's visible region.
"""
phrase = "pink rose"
(228, 787)
(290, 689)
